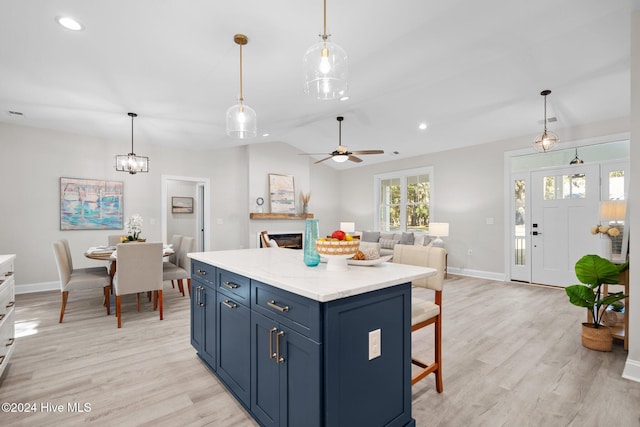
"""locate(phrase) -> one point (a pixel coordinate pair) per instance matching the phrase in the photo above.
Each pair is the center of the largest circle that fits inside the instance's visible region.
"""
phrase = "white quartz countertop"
(285, 269)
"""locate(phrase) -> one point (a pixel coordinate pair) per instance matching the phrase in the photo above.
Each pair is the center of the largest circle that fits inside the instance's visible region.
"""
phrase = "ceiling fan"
(341, 153)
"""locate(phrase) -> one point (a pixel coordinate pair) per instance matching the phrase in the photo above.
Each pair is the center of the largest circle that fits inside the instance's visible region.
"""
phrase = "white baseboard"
(632, 370)
(477, 273)
(37, 287)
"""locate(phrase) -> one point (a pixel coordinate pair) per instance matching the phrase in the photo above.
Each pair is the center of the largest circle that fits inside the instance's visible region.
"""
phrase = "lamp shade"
(241, 121)
(613, 210)
(348, 227)
(439, 229)
(325, 71)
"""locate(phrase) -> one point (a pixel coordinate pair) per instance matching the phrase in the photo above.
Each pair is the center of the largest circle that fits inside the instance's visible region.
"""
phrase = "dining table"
(109, 253)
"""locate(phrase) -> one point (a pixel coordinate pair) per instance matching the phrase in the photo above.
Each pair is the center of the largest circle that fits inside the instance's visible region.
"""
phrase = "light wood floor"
(512, 357)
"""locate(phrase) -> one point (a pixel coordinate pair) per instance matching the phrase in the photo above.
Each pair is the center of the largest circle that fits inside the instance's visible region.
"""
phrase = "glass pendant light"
(325, 68)
(547, 139)
(241, 119)
(131, 162)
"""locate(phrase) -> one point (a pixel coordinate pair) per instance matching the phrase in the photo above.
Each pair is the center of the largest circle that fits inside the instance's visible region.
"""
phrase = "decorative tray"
(366, 262)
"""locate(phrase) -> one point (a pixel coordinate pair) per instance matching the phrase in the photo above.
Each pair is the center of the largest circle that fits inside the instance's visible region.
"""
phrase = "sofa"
(387, 240)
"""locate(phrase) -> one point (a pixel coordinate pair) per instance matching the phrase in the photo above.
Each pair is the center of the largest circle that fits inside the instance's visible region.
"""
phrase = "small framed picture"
(181, 204)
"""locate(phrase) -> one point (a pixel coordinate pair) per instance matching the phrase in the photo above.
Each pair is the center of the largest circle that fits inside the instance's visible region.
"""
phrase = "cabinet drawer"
(7, 297)
(203, 272)
(301, 314)
(234, 286)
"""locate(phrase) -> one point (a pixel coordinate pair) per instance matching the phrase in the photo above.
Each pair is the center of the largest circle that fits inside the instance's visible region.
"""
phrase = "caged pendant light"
(241, 119)
(131, 162)
(547, 139)
(325, 67)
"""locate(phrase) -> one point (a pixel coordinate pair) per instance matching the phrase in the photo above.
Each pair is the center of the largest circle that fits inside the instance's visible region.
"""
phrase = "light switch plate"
(375, 344)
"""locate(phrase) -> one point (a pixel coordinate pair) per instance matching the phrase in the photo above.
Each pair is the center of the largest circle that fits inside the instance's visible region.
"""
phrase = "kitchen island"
(300, 345)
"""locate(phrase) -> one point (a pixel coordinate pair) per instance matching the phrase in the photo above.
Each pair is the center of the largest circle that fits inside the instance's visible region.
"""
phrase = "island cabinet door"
(234, 346)
(203, 321)
(286, 375)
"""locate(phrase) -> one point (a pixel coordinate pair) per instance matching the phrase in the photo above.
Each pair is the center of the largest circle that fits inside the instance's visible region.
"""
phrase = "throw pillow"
(388, 236)
(370, 236)
(407, 238)
(388, 243)
(370, 250)
(427, 241)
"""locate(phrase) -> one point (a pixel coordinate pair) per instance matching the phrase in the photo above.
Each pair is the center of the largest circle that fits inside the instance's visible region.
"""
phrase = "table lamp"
(438, 229)
(613, 210)
(348, 227)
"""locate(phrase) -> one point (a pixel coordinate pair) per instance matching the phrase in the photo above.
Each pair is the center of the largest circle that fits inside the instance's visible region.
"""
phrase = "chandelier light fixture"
(325, 68)
(576, 160)
(547, 139)
(241, 119)
(130, 162)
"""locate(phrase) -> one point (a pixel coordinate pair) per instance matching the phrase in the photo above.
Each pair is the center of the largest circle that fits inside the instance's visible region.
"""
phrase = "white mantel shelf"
(285, 269)
(256, 215)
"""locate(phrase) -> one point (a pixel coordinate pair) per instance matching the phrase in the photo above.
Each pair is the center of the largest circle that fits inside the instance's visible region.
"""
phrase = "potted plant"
(594, 271)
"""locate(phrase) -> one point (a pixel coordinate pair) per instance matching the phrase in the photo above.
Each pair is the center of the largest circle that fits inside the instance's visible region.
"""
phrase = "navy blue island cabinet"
(291, 360)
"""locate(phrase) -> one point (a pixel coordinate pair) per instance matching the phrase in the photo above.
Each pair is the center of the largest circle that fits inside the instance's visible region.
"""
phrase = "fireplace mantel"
(270, 216)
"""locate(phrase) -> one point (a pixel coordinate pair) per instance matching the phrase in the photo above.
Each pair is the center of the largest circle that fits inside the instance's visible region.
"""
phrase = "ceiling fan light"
(241, 121)
(340, 158)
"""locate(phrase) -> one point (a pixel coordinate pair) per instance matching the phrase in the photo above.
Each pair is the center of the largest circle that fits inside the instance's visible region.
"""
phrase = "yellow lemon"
(348, 238)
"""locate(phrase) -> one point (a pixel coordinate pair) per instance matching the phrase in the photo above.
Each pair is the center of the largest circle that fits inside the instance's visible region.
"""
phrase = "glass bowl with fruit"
(337, 249)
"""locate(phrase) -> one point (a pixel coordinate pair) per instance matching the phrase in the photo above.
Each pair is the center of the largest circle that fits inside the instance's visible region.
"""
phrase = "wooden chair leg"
(65, 295)
(438, 347)
(181, 286)
(173, 283)
(118, 311)
(107, 298)
(160, 302)
(155, 300)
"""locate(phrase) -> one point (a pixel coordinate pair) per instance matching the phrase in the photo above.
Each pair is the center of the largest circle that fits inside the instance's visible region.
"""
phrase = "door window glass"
(520, 221)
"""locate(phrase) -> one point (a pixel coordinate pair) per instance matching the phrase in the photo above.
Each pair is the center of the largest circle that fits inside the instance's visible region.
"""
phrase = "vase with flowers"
(133, 228)
(609, 232)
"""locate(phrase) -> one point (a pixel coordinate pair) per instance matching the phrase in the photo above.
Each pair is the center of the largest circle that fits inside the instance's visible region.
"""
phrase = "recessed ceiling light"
(265, 134)
(344, 98)
(69, 23)
(422, 126)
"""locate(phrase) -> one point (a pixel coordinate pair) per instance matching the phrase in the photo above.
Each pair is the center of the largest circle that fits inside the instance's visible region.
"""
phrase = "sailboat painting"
(91, 204)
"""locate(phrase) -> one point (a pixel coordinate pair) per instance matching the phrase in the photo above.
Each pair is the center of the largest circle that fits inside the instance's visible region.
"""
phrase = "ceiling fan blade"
(355, 159)
(312, 154)
(368, 152)
(326, 158)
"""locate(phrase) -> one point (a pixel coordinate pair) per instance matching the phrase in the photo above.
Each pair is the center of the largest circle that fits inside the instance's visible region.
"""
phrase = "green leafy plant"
(594, 271)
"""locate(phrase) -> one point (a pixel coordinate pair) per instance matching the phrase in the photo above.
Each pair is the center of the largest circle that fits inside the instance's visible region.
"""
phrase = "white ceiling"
(473, 70)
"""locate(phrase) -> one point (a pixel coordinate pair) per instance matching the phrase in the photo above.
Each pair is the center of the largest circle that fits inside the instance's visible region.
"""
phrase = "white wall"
(632, 367)
(182, 223)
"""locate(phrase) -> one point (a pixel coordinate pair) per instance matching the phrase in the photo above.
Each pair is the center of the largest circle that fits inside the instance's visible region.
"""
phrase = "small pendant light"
(241, 119)
(576, 160)
(325, 68)
(130, 162)
(547, 139)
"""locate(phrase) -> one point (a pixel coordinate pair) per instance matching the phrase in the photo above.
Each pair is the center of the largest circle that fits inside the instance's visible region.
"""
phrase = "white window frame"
(402, 175)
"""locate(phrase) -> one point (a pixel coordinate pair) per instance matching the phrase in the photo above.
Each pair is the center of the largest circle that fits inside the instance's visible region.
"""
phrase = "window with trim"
(403, 200)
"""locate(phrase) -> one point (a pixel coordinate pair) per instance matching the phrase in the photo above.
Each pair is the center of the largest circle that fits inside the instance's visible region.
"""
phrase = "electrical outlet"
(374, 344)
(470, 252)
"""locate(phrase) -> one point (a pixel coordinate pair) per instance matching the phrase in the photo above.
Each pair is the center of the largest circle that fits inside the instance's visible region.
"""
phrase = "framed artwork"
(91, 204)
(182, 205)
(282, 193)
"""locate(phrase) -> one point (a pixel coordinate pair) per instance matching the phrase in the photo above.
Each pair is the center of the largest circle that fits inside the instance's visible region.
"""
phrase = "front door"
(564, 208)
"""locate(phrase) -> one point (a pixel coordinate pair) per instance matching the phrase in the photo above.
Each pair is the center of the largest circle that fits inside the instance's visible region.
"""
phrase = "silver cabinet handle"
(201, 272)
(230, 304)
(279, 358)
(200, 299)
(273, 304)
(11, 304)
(272, 355)
(10, 342)
(230, 285)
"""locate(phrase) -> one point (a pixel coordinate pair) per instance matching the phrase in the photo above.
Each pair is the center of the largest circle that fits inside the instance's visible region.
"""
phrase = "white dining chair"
(92, 270)
(172, 262)
(71, 280)
(181, 271)
(139, 270)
